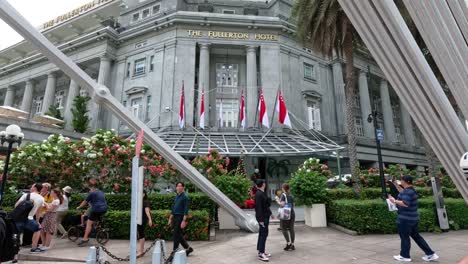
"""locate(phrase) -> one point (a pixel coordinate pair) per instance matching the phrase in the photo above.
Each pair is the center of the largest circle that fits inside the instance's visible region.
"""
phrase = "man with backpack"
(25, 210)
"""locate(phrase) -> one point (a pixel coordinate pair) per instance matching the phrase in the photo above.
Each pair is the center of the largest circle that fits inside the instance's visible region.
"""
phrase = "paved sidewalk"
(316, 246)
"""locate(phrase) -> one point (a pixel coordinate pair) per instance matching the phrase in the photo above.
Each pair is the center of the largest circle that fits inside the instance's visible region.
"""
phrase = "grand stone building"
(146, 50)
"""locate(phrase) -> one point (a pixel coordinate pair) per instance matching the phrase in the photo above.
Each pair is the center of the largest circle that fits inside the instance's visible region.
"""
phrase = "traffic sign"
(380, 134)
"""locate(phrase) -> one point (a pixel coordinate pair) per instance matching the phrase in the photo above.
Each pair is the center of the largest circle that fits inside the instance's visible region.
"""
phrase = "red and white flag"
(202, 109)
(283, 111)
(242, 111)
(262, 111)
(182, 108)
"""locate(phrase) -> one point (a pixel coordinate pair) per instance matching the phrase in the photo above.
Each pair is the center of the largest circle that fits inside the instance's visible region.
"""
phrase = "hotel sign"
(232, 35)
(73, 13)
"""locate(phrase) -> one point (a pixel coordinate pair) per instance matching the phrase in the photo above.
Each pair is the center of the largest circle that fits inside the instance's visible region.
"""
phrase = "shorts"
(29, 224)
(141, 231)
(96, 216)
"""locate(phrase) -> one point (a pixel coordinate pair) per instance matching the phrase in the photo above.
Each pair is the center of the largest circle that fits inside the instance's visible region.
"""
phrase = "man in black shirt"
(262, 213)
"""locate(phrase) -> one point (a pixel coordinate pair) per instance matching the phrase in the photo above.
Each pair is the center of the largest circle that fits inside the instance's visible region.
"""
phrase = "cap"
(407, 179)
(67, 189)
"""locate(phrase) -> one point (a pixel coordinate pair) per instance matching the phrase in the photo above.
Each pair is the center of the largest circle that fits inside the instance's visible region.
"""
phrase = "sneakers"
(430, 257)
(188, 251)
(402, 259)
(263, 257)
(292, 247)
(83, 243)
(37, 250)
(288, 246)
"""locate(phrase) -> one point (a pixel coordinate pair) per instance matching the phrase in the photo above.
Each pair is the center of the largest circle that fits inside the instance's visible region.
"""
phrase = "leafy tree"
(80, 117)
(323, 25)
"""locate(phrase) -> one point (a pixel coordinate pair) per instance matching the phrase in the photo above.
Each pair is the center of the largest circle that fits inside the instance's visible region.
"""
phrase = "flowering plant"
(212, 165)
(308, 183)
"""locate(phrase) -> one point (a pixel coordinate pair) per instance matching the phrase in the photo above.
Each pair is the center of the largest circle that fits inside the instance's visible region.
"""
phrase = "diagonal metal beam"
(102, 96)
(390, 42)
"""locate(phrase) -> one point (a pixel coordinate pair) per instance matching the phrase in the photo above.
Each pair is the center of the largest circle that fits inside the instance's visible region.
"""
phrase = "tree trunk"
(350, 88)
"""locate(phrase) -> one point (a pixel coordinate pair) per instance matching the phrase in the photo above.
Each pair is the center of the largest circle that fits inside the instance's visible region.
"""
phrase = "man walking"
(178, 219)
(31, 223)
(262, 213)
(97, 200)
(407, 221)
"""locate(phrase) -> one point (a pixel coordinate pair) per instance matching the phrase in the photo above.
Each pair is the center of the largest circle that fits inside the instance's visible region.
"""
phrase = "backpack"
(9, 238)
(20, 213)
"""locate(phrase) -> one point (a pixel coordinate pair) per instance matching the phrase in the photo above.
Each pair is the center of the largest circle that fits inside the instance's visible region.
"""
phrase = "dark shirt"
(290, 200)
(410, 198)
(181, 204)
(262, 206)
(98, 202)
(146, 204)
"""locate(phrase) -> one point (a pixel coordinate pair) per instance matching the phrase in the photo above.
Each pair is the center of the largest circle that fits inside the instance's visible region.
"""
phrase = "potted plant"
(308, 186)
(236, 188)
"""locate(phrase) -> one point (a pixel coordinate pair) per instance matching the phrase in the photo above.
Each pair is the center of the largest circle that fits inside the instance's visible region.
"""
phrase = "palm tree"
(323, 25)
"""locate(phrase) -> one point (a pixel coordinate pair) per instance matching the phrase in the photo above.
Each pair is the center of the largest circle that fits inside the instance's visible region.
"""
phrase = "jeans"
(262, 236)
(408, 229)
(287, 226)
(29, 224)
(178, 235)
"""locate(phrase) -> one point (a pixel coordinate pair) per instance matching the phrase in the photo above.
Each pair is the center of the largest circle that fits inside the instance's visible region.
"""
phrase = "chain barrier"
(128, 257)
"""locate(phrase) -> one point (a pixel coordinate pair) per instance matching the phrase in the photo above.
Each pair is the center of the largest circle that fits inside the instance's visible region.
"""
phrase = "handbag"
(284, 212)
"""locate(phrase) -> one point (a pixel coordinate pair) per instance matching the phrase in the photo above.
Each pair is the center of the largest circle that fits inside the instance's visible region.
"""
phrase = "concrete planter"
(316, 216)
(226, 221)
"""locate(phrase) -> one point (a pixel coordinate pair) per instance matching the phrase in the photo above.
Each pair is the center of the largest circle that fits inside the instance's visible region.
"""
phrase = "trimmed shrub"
(374, 193)
(372, 216)
(236, 187)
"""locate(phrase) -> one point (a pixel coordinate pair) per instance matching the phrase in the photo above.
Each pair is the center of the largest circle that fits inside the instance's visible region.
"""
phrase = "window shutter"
(310, 112)
(318, 123)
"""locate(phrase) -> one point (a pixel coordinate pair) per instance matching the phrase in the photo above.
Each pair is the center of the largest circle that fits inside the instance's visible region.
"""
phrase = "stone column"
(73, 91)
(9, 96)
(251, 91)
(340, 96)
(365, 105)
(96, 110)
(389, 125)
(49, 95)
(204, 81)
(28, 96)
(407, 126)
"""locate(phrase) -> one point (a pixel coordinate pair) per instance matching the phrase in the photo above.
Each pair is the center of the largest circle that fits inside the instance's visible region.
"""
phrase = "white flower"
(300, 169)
(308, 170)
(48, 154)
(142, 151)
(78, 164)
(92, 156)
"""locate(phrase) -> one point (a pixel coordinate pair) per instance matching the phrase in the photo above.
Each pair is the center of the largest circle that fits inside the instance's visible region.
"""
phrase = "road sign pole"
(378, 138)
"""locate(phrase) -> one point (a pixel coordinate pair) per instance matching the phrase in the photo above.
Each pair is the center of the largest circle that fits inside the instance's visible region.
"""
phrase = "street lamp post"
(372, 118)
(11, 135)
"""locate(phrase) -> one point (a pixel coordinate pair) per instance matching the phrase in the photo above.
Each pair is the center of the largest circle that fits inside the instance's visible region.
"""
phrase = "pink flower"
(227, 161)
(210, 150)
(107, 151)
(116, 146)
(116, 187)
(209, 170)
(153, 169)
(220, 166)
(92, 181)
(210, 158)
(104, 171)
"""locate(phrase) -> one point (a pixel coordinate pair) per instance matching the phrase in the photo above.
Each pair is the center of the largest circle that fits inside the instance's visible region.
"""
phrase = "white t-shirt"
(64, 206)
(38, 202)
(56, 204)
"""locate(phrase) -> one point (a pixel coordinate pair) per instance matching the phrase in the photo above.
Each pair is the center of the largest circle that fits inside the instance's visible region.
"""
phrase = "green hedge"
(374, 193)
(372, 216)
(122, 202)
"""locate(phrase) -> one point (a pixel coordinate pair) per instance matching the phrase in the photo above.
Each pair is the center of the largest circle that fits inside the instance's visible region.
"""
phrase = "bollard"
(157, 254)
(91, 259)
(180, 257)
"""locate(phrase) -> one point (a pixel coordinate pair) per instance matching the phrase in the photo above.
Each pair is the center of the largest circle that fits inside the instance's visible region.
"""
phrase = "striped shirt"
(410, 198)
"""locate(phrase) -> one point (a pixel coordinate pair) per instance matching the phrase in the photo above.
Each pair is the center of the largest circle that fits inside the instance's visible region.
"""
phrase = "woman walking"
(49, 223)
(288, 225)
(146, 219)
(62, 211)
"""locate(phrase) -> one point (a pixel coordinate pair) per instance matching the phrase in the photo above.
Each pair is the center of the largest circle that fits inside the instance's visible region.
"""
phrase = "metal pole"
(134, 210)
(379, 157)
(5, 171)
(338, 160)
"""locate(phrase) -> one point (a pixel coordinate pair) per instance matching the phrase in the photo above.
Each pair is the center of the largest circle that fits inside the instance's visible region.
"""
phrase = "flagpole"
(274, 108)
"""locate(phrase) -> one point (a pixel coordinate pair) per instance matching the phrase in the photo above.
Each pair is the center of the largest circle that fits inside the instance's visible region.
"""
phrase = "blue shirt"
(181, 204)
(410, 198)
(97, 201)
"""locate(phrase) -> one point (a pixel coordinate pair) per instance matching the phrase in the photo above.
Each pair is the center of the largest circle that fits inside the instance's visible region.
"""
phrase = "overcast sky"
(36, 12)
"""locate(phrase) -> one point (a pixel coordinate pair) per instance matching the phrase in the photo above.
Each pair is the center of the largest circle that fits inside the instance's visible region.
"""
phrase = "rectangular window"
(136, 107)
(313, 113)
(151, 63)
(128, 70)
(83, 93)
(156, 9)
(145, 13)
(230, 114)
(148, 107)
(59, 99)
(140, 67)
(38, 104)
(309, 72)
(227, 11)
(359, 128)
(135, 17)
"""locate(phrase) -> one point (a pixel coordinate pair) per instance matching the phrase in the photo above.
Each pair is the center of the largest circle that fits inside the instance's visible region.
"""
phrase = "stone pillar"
(28, 96)
(366, 109)
(96, 110)
(407, 126)
(204, 81)
(389, 125)
(73, 91)
(49, 95)
(251, 91)
(9, 96)
(340, 96)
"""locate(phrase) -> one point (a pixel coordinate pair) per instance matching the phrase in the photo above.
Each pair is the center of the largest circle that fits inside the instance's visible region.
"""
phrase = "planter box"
(315, 216)
(226, 221)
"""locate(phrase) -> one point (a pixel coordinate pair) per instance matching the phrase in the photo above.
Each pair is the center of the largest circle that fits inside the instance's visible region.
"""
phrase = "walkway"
(318, 246)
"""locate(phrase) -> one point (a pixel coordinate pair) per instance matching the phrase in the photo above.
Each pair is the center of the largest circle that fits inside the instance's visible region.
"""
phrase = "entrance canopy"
(246, 143)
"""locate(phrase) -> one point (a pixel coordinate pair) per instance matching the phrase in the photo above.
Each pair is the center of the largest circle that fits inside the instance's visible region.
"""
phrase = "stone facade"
(145, 50)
